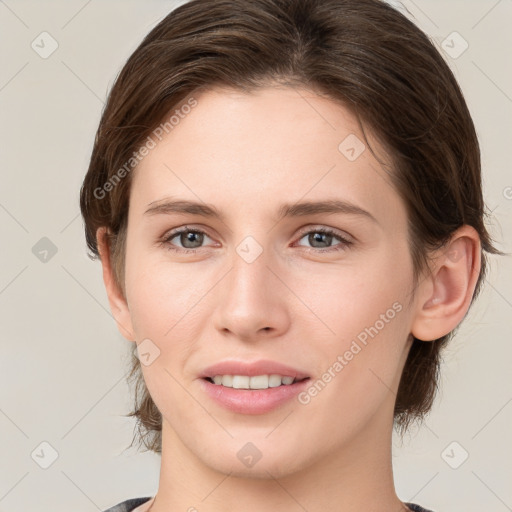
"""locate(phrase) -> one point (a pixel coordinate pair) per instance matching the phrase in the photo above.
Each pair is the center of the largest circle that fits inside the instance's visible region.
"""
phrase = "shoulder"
(417, 508)
(128, 505)
(131, 504)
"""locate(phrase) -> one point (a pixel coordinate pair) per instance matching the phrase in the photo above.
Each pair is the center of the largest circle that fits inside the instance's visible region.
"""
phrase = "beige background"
(62, 361)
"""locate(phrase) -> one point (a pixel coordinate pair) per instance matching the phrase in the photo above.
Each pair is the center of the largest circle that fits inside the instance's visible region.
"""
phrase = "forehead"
(245, 150)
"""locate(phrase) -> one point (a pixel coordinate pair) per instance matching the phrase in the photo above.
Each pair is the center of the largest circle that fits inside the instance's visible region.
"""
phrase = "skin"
(247, 154)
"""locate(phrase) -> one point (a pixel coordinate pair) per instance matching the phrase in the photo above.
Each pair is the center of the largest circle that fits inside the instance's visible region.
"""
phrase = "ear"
(116, 299)
(445, 294)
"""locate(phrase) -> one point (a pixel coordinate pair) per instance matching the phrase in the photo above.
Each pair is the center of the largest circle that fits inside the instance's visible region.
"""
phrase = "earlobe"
(116, 299)
(444, 296)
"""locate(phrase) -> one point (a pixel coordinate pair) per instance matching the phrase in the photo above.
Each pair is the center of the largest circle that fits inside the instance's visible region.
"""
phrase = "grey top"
(129, 505)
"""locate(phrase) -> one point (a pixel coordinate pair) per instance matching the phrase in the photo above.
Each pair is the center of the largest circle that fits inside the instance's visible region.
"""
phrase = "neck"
(357, 476)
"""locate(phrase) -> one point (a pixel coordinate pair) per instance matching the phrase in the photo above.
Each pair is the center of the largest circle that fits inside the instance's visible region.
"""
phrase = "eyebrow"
(330, 206)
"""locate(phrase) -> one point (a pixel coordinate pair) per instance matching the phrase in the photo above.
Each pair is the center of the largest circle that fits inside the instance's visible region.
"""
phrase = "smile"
(253, 382)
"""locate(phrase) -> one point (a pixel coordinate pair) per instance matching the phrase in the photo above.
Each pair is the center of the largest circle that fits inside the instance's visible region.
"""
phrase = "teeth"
(274, 381)
(240, 382)
(227, 380)
(254, 382)
(258, 382)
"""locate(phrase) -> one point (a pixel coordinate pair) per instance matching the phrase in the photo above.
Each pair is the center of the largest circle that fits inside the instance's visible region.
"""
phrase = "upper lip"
(252, 368)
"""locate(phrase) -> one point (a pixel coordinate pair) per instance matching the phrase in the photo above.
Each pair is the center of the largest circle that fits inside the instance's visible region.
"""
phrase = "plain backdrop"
(62, 361)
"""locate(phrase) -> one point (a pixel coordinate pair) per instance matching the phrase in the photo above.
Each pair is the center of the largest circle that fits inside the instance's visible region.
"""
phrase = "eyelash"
(343, 245)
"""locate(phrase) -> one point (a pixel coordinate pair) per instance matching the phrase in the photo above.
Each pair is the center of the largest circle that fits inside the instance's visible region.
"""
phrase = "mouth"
(254, 382)
(234, 392)
(252, 387)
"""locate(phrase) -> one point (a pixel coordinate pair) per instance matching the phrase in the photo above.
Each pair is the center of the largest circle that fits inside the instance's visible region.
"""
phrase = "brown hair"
(362, 53)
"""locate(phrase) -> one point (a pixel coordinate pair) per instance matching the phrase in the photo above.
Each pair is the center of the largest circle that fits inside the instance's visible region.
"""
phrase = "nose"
(253, 298)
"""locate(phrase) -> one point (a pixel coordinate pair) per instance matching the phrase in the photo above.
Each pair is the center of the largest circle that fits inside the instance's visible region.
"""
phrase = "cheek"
(165, 306)
(364, 317)
(345, 300)
(162, 297)
(357, 370)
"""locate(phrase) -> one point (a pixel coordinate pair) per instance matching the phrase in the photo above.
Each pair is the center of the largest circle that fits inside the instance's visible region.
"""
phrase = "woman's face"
(262, 283)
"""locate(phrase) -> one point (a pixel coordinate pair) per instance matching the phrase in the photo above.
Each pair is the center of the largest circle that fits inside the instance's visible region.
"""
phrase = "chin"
(245, 460)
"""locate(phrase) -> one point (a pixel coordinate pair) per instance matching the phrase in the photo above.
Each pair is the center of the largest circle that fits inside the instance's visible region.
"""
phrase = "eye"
(191, 239)
(324, 237)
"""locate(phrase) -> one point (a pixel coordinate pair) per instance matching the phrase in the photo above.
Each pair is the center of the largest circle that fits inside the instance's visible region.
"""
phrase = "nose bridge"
(250, 275)
(248, 301)
(251, 251)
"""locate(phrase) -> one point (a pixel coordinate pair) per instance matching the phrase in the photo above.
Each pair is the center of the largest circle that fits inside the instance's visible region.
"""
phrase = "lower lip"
(252, 401)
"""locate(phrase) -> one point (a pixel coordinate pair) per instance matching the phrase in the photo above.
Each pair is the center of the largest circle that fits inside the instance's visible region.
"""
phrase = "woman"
(286, 199)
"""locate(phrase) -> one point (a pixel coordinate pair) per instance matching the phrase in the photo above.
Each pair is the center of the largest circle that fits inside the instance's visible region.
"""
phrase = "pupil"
(189, 237)
(317, 237)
